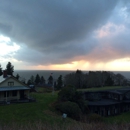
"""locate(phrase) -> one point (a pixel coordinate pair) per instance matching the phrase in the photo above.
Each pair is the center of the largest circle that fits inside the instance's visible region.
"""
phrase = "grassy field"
(122, 118)
(42, 111)
(102, 88)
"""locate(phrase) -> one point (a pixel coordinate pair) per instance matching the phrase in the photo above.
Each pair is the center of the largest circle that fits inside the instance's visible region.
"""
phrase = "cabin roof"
(2, 80)
(116, 91)
(13, 88)
(103, 102)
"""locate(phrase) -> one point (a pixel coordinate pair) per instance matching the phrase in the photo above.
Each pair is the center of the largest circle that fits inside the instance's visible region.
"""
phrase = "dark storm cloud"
(56, 31)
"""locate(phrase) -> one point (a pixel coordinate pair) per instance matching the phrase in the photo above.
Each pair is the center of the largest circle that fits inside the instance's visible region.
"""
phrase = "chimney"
(5, 74)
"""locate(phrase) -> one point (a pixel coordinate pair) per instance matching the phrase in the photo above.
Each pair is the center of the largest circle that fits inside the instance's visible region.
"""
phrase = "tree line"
(77, 79)
(40, 81)
(9, 69)
(34, 80)
(95, 79)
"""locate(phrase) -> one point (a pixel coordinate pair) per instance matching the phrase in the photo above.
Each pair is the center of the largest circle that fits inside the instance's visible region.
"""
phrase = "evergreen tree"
(55, 85)
(78, 79)
(50, 80)
(109, 81)
(37, 79)
(17, 76)
(29, 82)
(42, 80)
(59, 82)
(9, 68)
(32, 79)
(1, 72)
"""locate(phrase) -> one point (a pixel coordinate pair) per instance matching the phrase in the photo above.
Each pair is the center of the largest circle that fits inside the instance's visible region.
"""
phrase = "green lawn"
(43, 110)
(122, 118)
(29, 112)
(102, 88)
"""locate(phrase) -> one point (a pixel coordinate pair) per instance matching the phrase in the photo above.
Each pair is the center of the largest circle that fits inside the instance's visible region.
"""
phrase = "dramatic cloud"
(61, 32)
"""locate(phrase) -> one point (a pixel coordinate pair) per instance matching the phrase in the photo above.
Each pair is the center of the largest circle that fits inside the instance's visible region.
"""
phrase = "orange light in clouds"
(72, 66)
(83, 65)
(116, 65)
(119, 65)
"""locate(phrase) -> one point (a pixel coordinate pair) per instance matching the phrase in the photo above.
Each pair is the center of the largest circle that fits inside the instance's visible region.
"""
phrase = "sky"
(65, 34)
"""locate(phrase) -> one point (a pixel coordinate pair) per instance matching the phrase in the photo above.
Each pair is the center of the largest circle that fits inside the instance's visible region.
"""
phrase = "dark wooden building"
(110, 102)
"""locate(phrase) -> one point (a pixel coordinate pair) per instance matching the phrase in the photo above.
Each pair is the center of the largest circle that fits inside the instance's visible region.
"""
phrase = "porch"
(14, 94)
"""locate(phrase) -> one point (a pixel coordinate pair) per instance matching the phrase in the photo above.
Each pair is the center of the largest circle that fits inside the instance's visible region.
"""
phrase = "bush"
(94, 118)
(67, 94)
(70, 108)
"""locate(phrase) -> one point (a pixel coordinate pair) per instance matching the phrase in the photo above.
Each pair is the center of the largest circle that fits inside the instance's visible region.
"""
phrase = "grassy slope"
(102, 88)
(41, 111)
(122, 118)
(29, 112)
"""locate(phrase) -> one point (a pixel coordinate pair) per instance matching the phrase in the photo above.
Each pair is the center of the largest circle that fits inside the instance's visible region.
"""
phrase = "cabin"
(12, 90)
(108, 103)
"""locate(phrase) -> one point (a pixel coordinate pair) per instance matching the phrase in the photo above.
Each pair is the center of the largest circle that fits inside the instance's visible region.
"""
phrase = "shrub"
(67, 94)
(94, 118)
(70, 108)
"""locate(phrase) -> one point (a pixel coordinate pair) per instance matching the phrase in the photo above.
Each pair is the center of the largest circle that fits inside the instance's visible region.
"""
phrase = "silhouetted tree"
(9, 68)
(120, 79)
(32, 79)
(42, 80)
(78, 79)
(1, 71)
(29, 82)
(69, 79)
(17, 76)
(59, 82)
(37, 79)
(55, 85)
(50, 80)
(109, 81)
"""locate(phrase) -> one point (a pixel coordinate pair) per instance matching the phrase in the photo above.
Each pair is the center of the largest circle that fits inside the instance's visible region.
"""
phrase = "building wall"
(6, 83)
(10, 95)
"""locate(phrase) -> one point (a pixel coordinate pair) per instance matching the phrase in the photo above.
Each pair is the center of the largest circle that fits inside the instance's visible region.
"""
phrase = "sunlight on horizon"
(116, 65)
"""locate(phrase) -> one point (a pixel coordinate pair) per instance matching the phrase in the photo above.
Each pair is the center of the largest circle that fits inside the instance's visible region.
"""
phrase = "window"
(14, 93)
(10, 83)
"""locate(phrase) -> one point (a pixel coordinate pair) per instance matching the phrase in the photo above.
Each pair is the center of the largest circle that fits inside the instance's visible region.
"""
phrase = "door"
(22, 94)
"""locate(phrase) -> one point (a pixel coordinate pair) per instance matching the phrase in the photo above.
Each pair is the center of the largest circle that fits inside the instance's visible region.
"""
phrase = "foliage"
(50, 80)
(59, 83)
(1, 71)
(83, 104)
(17, 76)
(42, 80)
(29, 82)
(70, 108)
(77, 79)
(70, 93)
(37, 79)
(10, 68)
(94, 118)
(67, 94)
(109, 81)
(32, 79)
(94, 79)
